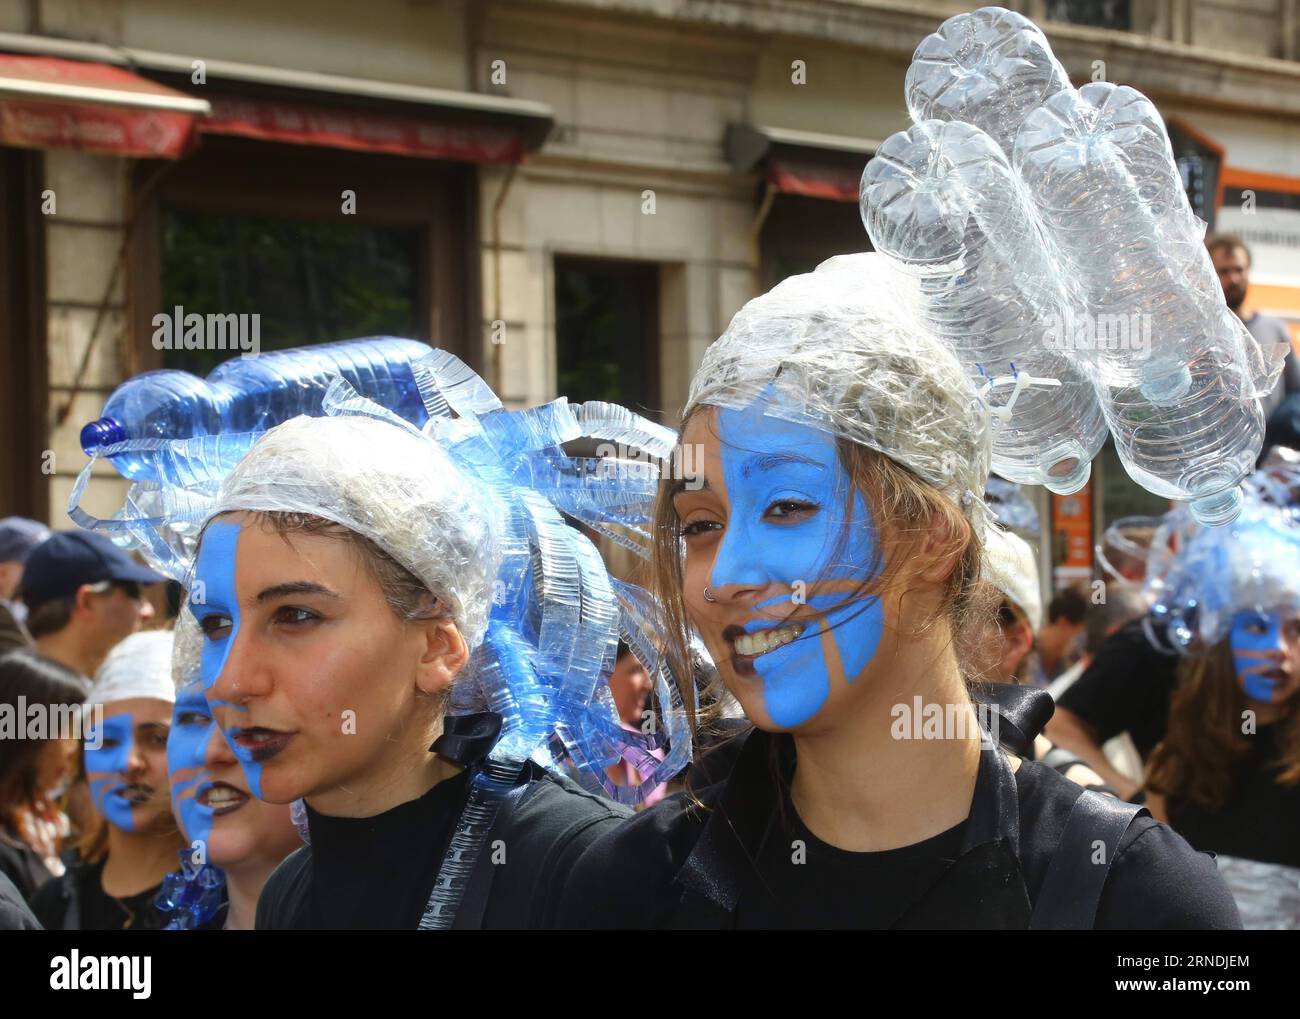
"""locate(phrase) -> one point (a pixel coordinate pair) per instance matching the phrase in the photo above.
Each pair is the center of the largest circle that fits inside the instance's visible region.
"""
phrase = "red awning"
(793, 176)
(364, 130)
(47, 102)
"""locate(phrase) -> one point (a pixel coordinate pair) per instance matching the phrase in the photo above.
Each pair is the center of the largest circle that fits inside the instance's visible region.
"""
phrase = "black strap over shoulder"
(473, 904)
(1072, 887)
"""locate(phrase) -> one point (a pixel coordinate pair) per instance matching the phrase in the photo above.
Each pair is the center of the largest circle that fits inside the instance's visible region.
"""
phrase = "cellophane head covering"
(473, 504)
(1011, 566)
(841, 349)
(139, 666)
(389, 483)
(1199, 578)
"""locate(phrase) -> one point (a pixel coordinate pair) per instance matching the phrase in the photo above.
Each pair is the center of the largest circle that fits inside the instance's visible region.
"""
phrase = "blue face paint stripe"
(187, 750)
(106, 769)
(1251, 652)
(215, 569)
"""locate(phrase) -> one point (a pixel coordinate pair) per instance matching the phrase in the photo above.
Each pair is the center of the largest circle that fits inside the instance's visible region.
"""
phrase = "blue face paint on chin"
(218, 616)
(1256, 637)
(187, 748)
(106, 769)
(788, 496)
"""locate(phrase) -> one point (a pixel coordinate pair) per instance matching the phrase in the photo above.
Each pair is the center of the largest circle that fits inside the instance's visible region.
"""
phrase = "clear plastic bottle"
(942, 199)
(989, 68)
(1177, 378)
(248, 394)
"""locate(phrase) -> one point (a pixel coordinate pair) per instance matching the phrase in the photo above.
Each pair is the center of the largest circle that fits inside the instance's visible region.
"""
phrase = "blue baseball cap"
(68, 559)
(18, 536)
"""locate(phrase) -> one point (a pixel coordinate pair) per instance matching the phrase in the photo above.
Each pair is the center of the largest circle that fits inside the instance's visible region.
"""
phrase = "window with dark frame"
(607, 332)
(309, 282)
(261, 227)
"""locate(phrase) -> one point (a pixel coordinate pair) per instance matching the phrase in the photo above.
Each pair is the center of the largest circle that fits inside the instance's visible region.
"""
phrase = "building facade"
(574, 196)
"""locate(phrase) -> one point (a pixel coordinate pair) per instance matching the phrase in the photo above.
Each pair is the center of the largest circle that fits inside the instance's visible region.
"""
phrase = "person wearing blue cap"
(83, 595)
(18, 537)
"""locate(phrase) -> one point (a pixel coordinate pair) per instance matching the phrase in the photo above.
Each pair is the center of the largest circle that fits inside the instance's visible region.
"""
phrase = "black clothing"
(382, 869)
(21, 864)
(1126, 689)
(14, 914)
(76, 901)
(733, 864)
(375, 873)
(1260, 820)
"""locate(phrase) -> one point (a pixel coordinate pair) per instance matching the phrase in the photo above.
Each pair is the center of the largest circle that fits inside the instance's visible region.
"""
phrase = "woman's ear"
(941, 548)
(443, 655)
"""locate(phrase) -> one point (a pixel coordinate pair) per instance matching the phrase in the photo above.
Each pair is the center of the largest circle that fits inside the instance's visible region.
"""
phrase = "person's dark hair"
(1204, 743)
(1227, 242)
(38, 680)
(48, 617)
(1069, 605)
(1123, 604)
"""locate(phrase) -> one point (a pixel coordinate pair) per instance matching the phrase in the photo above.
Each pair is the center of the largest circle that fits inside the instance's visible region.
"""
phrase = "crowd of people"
(287, 742)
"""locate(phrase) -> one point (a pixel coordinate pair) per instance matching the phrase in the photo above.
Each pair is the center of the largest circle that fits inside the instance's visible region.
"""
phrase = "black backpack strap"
(1072, 886)
(473, 904)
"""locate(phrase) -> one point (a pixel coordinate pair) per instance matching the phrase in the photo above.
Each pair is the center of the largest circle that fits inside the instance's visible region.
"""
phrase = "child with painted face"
(826, 555)
(342, 585)
(1227, 774)
(234, 839)
(123, 860)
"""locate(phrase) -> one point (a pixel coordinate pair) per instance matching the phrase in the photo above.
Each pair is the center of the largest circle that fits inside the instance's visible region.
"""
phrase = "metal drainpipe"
(498, 368)
(755, 229)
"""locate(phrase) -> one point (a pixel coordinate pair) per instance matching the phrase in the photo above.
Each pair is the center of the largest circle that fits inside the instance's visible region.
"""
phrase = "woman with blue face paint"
(234, 840)
(123, 862)
(1227, 774)
(342, 582)
(828, 555)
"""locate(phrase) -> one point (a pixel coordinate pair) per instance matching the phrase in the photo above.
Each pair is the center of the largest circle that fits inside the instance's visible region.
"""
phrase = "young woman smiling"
(828, 561)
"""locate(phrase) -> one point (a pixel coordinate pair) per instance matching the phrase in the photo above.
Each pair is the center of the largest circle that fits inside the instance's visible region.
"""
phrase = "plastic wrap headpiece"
(472, 505)
(1199, 578)
(841, 349)
(1057, 256)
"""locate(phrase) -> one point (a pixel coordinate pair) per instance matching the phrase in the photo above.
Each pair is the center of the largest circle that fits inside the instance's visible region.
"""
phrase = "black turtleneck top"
(376, 873)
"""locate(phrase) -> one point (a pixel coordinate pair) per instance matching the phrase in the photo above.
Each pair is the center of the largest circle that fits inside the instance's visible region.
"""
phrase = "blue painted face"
(218, 616)
(187, 748)
(107, 767)
(1257, 638)
(786, 527)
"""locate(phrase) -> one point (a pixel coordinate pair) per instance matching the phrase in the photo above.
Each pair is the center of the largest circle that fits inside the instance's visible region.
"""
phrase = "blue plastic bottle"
(248, 394)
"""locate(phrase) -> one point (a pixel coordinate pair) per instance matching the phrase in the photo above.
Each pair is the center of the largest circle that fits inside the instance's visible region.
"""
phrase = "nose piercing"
(708, 597)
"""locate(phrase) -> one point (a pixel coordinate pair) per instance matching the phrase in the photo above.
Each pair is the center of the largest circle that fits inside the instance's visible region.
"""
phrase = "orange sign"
(1072, 536)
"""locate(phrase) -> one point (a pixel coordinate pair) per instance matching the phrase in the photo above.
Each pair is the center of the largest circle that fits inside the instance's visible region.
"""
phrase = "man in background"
(18, 538)
(83, 595)
(1231, 260)
(1059, 642)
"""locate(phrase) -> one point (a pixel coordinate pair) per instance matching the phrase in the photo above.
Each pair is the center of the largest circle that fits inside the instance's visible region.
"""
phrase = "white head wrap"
(139, 666)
